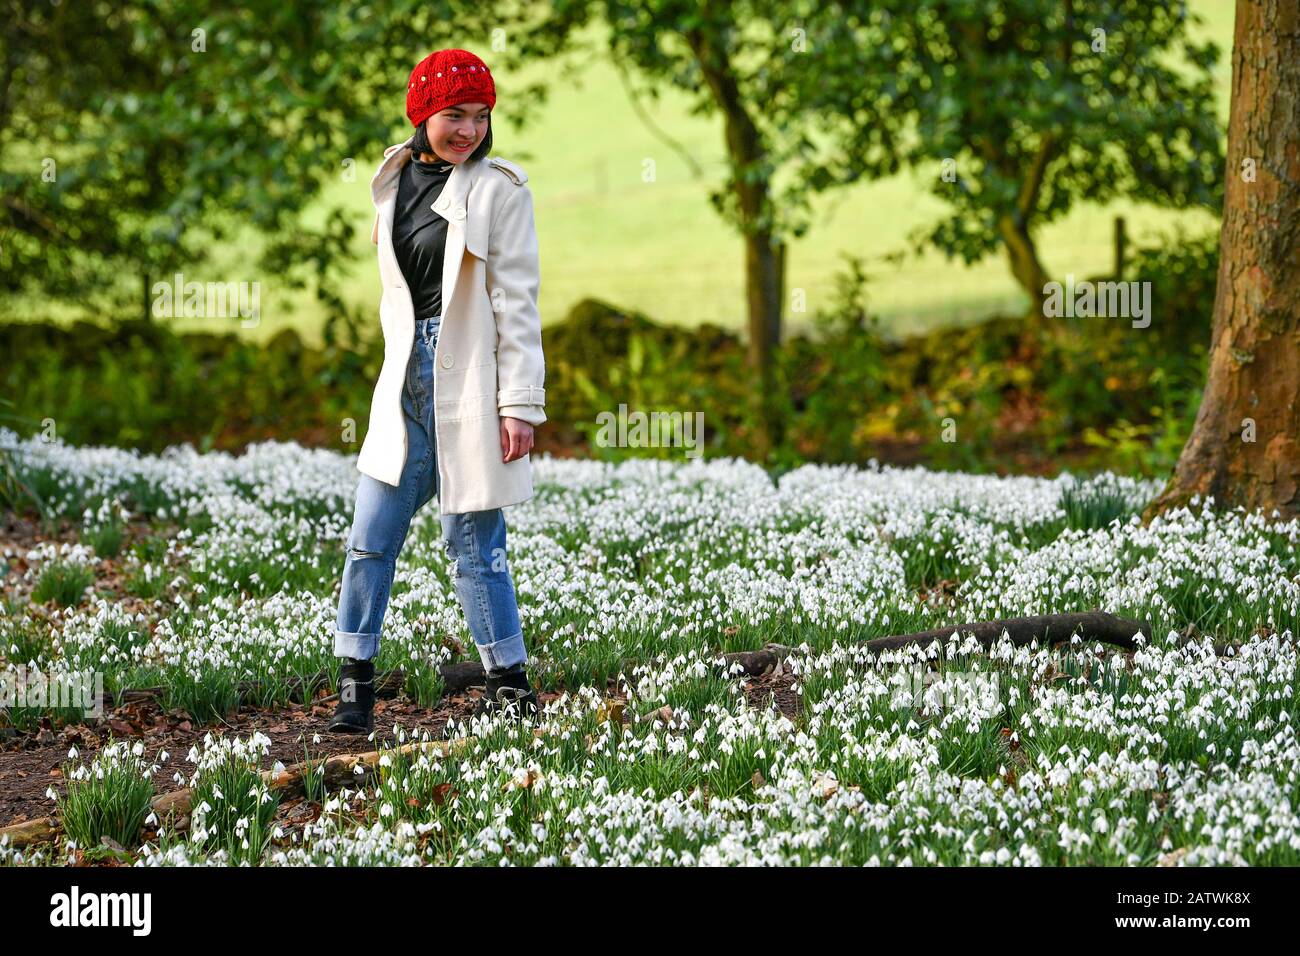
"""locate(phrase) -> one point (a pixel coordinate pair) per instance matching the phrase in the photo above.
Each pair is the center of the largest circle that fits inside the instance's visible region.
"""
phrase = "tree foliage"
(135, 134)
(1040, 104)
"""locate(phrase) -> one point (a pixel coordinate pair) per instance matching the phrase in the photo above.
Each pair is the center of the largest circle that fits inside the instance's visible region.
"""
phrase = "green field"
(659, 247)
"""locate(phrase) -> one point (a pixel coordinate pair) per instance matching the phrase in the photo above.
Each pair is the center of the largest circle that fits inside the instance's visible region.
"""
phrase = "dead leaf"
(825, 785)
(1172, 858)
(522, 781)
(611, 710)
(443, 793)
(304, 812)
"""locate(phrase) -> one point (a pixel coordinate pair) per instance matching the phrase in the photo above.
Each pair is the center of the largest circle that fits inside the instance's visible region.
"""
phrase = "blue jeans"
(475, 539)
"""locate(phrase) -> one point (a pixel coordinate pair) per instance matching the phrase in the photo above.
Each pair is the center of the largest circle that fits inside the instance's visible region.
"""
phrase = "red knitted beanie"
(445, 78)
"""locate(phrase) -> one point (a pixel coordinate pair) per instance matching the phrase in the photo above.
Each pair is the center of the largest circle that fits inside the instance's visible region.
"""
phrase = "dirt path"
(30, 763)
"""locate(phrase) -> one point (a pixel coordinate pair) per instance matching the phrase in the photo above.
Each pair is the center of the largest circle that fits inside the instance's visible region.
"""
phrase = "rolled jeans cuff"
(504, 654)
(359, 646)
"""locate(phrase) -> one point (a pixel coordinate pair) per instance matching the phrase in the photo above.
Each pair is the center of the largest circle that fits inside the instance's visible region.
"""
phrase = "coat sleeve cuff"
(521, 395)
(523, 402)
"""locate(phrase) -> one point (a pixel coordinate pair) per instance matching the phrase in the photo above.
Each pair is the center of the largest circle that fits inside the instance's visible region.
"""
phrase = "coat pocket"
(465, 393)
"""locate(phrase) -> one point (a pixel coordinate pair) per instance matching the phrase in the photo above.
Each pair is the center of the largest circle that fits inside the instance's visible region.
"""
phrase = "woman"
(461, 387)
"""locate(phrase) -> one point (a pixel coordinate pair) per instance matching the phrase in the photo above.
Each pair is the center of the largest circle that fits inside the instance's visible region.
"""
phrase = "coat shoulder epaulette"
(513, 171)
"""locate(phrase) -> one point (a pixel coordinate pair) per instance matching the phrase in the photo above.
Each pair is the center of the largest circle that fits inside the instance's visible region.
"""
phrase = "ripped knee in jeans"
(364, 553)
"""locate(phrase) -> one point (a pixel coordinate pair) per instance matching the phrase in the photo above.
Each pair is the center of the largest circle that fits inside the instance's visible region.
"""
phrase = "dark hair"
(420, 144)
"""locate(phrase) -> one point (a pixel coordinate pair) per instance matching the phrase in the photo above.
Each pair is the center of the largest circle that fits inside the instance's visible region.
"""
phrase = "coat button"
(459, 214)
(446, 361)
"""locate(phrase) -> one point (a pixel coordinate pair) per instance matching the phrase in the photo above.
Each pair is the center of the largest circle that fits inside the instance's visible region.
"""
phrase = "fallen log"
(388, 684)
(333, 771)
(40, 830)
(459, 677)
(462, 676)
(456, 678)
(1046, 629)
(766, 660)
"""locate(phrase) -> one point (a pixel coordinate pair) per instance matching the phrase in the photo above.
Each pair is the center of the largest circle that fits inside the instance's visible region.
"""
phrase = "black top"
(420, 234)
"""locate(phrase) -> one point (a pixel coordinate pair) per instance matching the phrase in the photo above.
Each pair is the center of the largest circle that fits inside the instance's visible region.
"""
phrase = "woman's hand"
(516, 438)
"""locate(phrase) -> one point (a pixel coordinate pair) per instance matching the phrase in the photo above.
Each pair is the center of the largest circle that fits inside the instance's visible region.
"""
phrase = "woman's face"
(454, 133)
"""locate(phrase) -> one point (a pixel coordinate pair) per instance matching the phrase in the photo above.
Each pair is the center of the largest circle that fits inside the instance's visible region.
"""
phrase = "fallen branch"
(1046, 629)
(333, 771)
(387, 684)
(40, 830)
(767, 660)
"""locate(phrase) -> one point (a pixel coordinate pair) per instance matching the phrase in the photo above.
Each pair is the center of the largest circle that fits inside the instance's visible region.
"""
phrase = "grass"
(105, 539)
(1091, 505)
(109, 798)
(64, 583)
(231, 808)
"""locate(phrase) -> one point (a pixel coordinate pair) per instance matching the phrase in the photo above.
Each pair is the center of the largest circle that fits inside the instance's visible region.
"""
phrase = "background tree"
(1245, 446)
(1039, 104)
(1033, 118)
(800, 113)
(136, 135)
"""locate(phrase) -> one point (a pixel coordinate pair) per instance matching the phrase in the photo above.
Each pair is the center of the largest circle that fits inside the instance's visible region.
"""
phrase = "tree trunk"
(764, 263)
(1013, 229)
(1245, 446)
(763, 283)
(1022, 256)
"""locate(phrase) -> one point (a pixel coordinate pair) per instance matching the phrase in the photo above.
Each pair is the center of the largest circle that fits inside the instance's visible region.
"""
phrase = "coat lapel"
(463, 233)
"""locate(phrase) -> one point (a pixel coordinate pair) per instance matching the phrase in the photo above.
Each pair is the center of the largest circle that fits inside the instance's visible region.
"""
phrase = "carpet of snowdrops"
(1083, 754)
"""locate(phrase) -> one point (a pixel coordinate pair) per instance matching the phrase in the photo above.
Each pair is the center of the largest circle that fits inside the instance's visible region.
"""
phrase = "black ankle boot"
(508, 690)
(355, 711)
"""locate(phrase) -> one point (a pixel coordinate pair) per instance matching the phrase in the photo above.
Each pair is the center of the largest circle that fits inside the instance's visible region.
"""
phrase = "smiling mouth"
(462, 145)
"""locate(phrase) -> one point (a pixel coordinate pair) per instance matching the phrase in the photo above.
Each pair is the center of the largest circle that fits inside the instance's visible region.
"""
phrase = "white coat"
(488, 361)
